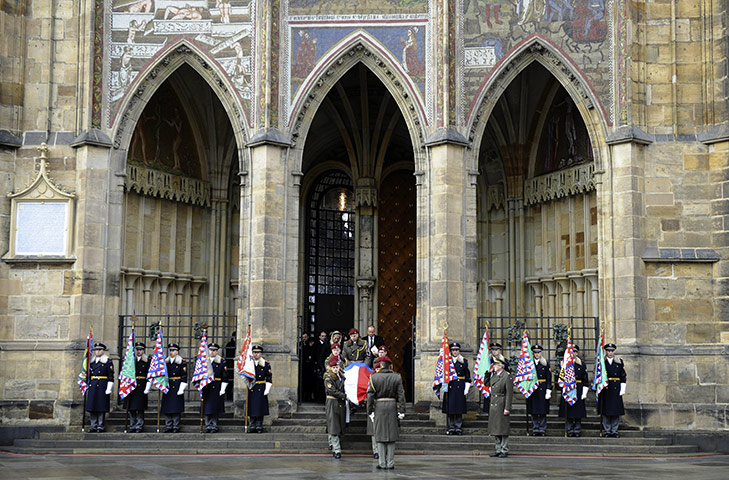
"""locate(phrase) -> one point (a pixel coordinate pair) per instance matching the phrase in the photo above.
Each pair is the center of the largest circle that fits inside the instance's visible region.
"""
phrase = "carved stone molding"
(366, 192)
(495, 197)
(154, 183)
(562, 183)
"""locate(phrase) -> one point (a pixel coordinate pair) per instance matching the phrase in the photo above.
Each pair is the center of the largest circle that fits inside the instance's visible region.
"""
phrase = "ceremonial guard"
(573, 414)
(259, 390)
(101, 382)
(136, 401)
(502, 392)
(355, 349)
(496, 354)
(336, 353)
(173, 402)
(213, 393)
(386, 407)
(381, 352)
(454, 401)
(335, 406)
(538, 401)
(610, 401)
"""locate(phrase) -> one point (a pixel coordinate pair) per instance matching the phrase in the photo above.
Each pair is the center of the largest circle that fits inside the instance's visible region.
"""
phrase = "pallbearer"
(386, 408)
(610, 401)
(335, 406)
(213, 393)
(136, 401)
(258, 395)
(173, 402)
(538, 401)
(101, 382)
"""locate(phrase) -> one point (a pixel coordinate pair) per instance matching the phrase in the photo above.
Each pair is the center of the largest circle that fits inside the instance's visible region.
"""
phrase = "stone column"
(165, 279)
(498, 287)
(148, 279)
(591, 275)
(181, 281)
(365, 197)
(131, 275)
(564, 285)
(579, 300)
(551, 287)
(536, 287)
(365, 287)
(197, 283)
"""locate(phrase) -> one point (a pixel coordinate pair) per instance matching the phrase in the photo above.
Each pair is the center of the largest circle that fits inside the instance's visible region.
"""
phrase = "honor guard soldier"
(502, 393)
(136, 401)
(538, 401)
(213, 393)
(259, 390)
(573, 414)
(355, 349)
(336, 353)
(381, 352)
(336, 410)
(454, 401)
(386, 407)
(496, 354)
(173, 402)
(610, 401)
(101, 382)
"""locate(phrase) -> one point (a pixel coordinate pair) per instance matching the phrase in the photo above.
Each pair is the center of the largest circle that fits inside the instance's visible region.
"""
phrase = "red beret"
(354, 330)
(336, 345)
(333, 361)
(382, 347)
(384, 359)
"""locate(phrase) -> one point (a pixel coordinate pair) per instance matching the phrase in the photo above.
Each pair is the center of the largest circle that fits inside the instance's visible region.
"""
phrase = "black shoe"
(449, 432)
(459, 432)
(376, 456)
(503, 455)
(337, 455)
(329, 447)
(380, 467)
(175, 430)
(616, 435)
(495, 454)
(576, 435)
(260, 430)
(168, 430)
(253, 430)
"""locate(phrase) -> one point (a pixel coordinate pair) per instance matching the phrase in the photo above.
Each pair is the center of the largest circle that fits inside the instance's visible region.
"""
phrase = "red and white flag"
(356, 379)
(245, 366)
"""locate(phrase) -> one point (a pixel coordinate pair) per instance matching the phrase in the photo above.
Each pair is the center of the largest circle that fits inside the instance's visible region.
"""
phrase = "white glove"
(372, 416)
(147, 388)
(584, 392)
(400, 416)
(467, 388)
(223, 386)
(267, 390)
(548, 395)
(109, 386)
(622, 389)
(375, 351)
(182, 388)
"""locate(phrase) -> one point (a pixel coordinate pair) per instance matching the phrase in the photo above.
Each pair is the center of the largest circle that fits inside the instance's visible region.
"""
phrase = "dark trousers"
(610, 424)
(97, 421)
(211, 423)
(136, 420)
(455, 422)
(539, 423)
(172, 422)
(256, 424)
(573, 426)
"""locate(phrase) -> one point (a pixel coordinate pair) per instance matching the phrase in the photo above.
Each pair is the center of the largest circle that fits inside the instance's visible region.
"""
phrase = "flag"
(83, 375)
(157, 373)
(245, 366)
(567, 380)
(482, 366)
(526, 371)
(445, 371)
(601, 380)
(356, 380)
(128, 374)
(203, 373)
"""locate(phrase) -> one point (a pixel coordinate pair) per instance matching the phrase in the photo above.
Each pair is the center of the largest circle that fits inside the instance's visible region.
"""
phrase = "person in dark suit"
(213, 393)
(136, 401)
(259, 390)
(323, 349)
(573, 414)
(610, 401)
(374, 342)
(173, 402)
(101, 382)
(538, 401)
(454, 401)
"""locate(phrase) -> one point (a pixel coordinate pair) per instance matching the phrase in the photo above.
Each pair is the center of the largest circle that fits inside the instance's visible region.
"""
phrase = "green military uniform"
(335, 409)
(386, 399)
(502, 392)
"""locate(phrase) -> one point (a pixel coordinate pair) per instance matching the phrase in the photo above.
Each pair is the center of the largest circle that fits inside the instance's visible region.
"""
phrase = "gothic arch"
(358, 47)
(538, 49)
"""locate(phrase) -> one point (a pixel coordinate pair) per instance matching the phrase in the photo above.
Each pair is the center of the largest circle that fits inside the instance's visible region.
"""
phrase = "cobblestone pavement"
(300, 467)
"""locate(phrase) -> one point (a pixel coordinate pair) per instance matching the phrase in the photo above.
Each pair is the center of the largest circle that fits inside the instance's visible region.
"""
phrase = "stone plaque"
(41, 228)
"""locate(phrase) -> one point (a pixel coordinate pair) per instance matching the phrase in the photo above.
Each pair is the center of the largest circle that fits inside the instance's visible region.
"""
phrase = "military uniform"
(538, 401)
(136, 401)
(173, 402)
(386, 399)
(101, 381)
(335, 407)
(213, 392)
(573, 414)
(354, 352)
(258, 394)
(502, 394)
(610, 401)
(454, 401)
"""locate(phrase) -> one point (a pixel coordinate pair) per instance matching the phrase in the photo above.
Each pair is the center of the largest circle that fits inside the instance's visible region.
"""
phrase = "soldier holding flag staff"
(573, 414)
(101, 382)
(173, 402)
(538, 401)
(610, 401)
(454, 401)
(259, 390)
(213, 393)
(136, 401)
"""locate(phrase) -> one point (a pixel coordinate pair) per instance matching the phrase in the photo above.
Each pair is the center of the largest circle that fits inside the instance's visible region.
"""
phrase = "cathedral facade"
(418, 165)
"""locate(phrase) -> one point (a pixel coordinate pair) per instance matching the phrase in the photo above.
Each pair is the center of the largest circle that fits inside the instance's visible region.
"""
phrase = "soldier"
(573, 414)
(355, 349)
(336, 353)
(136, 401)
(173, 402)
(610, 401)
(101, 382)
(386, 407)
(335, 406)
(502, 392)
(538, 401)
(259, 390)
(496, 354)
(381, 352)
(213, 393)
(454, 401)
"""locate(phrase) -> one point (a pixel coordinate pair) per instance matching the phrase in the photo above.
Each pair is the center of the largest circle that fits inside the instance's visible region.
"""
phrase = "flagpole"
(88, 379)
(126, 419)
(245, 428)
(202, 407)
(159, 406)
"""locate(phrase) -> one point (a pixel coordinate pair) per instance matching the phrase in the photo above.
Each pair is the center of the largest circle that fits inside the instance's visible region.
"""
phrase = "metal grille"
(185, 330)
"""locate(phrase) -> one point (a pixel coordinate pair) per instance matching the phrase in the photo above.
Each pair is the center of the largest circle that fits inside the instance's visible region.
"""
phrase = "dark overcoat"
(386, 399)
(537, 401)
(609, 402)
(214, 401)
(137, 399)
(101, 372)
(578, 410)
(454, 402)
(336, 403)
(173, 403)
(257, 401)
(502, 393)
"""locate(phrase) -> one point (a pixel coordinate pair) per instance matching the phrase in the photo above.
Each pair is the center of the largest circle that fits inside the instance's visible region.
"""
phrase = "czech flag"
(356, 380)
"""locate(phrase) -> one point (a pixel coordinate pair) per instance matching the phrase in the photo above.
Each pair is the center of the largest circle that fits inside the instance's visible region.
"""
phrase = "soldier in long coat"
(136, 401)
(538, 401)
(573, 414)
(502, 393)
(101, 382)
(173, 402)
(355, 349)
(259, 390)
(610, 401)
(213, 393)
(454, 402)
(386, 407)
(381, 352)
(335, 406)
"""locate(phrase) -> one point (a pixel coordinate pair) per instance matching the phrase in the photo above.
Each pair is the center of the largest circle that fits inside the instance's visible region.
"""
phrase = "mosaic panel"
(356, 7)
